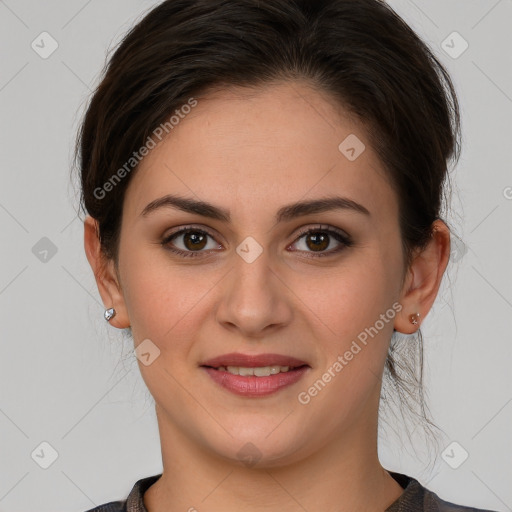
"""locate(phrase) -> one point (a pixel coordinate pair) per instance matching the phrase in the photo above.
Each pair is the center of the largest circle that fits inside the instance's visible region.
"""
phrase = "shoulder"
(417, 498)
(112, 506)
(433, 503)
(135, 500)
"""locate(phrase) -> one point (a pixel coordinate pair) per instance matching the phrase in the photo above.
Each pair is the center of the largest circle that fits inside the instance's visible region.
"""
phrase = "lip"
(250, 385)
(254, 361)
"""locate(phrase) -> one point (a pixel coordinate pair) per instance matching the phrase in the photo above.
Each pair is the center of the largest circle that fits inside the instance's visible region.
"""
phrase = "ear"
(424, 279)
(107, 279)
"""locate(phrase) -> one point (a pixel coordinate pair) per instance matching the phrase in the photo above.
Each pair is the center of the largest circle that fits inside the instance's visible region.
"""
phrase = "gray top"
(415, 498)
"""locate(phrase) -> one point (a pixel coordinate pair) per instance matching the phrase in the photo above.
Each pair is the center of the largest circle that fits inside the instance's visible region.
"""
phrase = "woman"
(263, 182)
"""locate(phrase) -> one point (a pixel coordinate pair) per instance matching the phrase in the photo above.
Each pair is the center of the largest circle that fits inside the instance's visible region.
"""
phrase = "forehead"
(252, 150)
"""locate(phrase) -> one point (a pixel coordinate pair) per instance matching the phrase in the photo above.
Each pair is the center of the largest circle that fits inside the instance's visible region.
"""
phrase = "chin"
(261, 450)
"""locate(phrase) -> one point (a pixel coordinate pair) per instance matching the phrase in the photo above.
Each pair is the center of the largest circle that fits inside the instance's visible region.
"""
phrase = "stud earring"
(414, 318)
(109, 314)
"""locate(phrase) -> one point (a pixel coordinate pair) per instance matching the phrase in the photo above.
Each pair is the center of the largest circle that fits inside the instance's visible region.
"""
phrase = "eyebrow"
(285, 213)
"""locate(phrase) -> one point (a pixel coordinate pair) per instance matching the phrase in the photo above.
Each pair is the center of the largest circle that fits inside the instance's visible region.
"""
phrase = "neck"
(345, 475)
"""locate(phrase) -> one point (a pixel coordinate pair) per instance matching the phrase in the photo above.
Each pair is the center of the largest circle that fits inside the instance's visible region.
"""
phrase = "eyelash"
(340, 237)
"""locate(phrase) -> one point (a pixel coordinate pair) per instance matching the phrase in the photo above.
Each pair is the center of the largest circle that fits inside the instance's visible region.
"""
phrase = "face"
(245, 279)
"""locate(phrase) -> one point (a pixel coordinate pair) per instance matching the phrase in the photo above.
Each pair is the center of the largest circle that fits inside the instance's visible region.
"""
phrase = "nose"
(255, 300)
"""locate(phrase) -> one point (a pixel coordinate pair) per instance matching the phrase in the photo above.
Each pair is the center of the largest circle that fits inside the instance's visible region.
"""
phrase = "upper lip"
(254, 361)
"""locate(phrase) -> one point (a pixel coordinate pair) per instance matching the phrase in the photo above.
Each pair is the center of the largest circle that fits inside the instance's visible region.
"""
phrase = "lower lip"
(255, 386)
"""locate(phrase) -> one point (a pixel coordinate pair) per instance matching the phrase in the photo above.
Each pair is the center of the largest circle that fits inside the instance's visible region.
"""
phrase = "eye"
(317, 240)
(192, 241)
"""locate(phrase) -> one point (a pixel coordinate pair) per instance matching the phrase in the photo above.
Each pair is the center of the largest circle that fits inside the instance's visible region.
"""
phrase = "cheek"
(355, 321)
(166, 310)
(161, 297)
(352, 316)
(343, 301)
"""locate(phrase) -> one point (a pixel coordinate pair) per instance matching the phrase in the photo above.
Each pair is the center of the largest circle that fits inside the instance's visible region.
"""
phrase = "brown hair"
(359, 52)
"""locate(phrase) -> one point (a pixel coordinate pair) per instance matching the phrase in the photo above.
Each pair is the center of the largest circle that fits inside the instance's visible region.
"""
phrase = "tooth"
(263, 371)
(260, 371)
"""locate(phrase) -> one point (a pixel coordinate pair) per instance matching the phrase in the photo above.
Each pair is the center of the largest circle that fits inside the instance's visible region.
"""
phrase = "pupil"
(319, 241)
(194, 238)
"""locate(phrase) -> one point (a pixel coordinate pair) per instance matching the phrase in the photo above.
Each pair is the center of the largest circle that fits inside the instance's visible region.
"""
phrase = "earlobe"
(105, 275)
(424, 279)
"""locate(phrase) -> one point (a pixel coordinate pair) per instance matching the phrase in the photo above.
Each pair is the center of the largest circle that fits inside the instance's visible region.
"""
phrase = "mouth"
(257, 371)
(255, 375)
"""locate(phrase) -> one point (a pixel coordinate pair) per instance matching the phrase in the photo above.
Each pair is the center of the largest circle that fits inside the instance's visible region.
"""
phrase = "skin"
(252, 152)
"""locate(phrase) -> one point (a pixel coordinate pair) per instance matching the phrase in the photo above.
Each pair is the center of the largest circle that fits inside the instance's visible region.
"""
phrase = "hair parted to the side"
(359, 53)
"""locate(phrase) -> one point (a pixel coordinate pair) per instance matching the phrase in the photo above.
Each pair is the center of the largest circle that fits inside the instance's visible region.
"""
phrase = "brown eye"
(194, 240)
(189, 242)
(318, 240)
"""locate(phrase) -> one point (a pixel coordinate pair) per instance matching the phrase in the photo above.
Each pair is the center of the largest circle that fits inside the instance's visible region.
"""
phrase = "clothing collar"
(412, 495)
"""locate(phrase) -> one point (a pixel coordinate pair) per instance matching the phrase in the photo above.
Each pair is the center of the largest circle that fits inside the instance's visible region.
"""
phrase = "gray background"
(70, 380)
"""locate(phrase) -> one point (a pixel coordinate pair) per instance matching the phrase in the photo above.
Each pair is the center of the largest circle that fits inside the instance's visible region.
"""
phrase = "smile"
(255, 381)
(259, 371)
